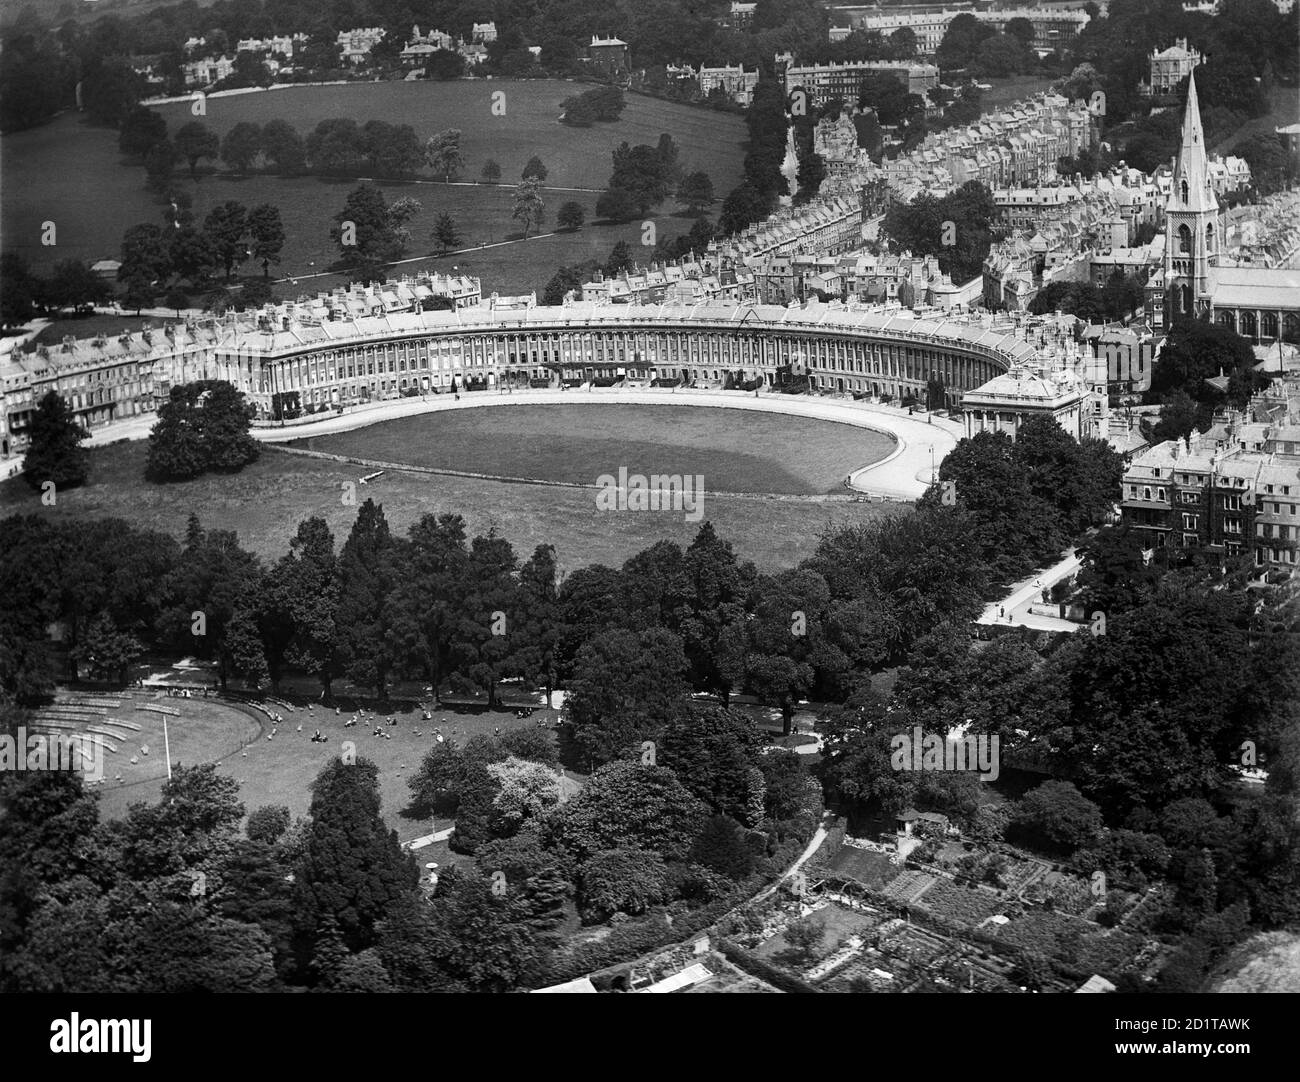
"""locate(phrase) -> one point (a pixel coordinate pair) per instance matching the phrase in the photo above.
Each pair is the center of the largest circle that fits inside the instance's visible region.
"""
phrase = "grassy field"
(68, 172)
(281, 769)
(1013, 89)
(758, 453)
(265, 503)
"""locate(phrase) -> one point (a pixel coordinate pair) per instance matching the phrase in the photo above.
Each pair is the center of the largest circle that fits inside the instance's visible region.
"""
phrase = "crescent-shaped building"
(367, 345)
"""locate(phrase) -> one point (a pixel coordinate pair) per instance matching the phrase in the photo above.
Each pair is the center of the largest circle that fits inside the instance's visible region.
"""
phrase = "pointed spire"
(1191, 188)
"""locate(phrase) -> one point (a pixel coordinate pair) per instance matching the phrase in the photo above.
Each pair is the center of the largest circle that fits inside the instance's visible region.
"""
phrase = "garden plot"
(968, 905)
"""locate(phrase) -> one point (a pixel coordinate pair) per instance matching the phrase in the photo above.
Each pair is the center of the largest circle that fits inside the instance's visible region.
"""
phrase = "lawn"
(1013, 89)
(265, 503)
(206, 730)
(67, 171)
(280, 770)
(757, 453)
(864, 866)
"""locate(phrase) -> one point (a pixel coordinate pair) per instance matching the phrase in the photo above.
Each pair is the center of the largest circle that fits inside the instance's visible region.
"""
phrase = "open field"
(759, 453)
(1013, 89)
(280, 770)
(265, 503)
(68, 171)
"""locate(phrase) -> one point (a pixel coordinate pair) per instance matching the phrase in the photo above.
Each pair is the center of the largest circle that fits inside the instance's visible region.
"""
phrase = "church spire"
(1192, 190)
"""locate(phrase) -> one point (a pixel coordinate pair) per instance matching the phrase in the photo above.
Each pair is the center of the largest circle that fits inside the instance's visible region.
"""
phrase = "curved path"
(902, 475)
(921, 441)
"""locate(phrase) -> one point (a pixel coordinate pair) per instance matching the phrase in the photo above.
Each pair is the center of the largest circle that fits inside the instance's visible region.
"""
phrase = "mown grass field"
(748, 452)
(281, 770)
(265, 503)
(70, 173)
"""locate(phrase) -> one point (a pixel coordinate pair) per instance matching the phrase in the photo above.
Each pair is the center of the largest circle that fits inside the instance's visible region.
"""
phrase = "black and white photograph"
(649, 496)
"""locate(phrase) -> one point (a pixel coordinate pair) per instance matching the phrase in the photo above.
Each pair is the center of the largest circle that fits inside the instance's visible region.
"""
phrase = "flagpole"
(167, 749)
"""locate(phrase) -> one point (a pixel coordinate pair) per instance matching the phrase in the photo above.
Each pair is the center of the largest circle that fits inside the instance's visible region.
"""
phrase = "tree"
(111, 89)
(1021, 29)
(696, 191)
(445, 233)
(805, 936)
(266, 232)
(283, 148)
(625, 685)
(529, 208)
(227, 234)
(620, 259)
(643, 173)
(369, 231)
(72, 284)
(534, 169)
(268, 823)
(744, 204)
(570, 216)
(141, 130)
(241, 146)
(139, 293)
(218, 578)
(145, 253)
(721, 848)
(366, 580)
(715, 754)
(177, 299)
(392, 150)
(527, 790)
(106, 649)
(621, 881)
(578, 112)
(202, 427)
(1058, 814)
(18, 288)
(54, 451)
(336, 145)
(491, 171)
(160, 166)
(196, 140)
(303, 595)
(625, 805)
(616, 205)
(442, 152)
(354, 870)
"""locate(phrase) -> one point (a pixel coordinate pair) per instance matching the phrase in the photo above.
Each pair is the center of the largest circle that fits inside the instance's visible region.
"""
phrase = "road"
(1013, 610)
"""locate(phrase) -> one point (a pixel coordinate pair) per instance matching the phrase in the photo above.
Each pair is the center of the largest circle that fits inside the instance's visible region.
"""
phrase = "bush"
(756, 967)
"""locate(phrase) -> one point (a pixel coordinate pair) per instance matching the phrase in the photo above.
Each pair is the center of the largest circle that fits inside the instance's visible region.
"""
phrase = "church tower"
(1193, 231)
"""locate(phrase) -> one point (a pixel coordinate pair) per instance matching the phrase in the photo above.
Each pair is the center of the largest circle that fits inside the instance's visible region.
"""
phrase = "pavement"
(1013, 610)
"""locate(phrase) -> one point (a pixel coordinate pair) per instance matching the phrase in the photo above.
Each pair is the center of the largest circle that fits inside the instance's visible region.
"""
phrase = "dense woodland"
(1134, 727)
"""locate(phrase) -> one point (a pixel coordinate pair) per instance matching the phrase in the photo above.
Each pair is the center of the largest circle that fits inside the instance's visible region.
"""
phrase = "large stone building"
(734, 81)
(364, 345)
(1259, 302)
(1233, 490)
(1171, 66)
(1011, 398)
(826, 82)
(1054, 28)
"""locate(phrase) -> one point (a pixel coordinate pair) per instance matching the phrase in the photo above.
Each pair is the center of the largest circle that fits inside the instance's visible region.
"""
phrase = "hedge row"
(756, 967)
